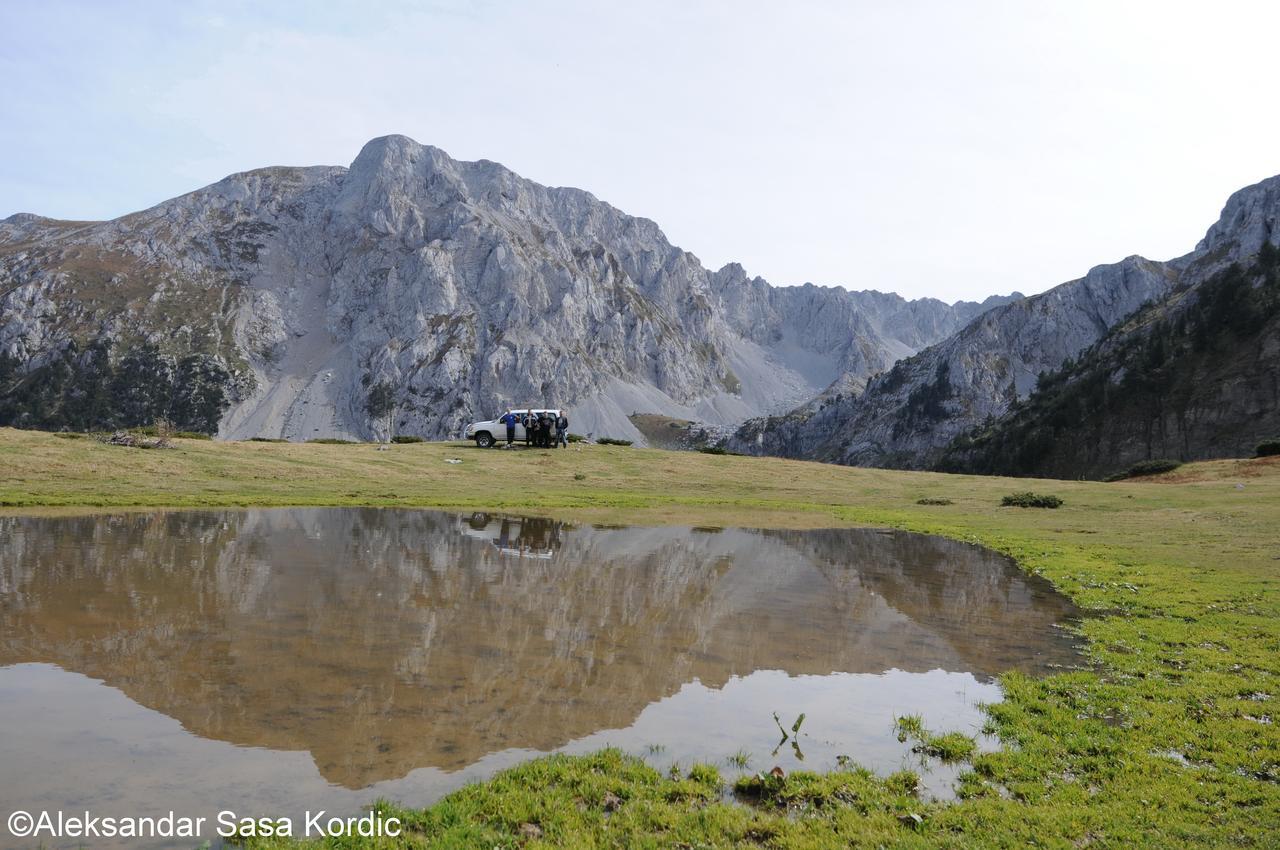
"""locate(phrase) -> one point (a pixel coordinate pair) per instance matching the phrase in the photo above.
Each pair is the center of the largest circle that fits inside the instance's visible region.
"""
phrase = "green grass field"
(1168, 740)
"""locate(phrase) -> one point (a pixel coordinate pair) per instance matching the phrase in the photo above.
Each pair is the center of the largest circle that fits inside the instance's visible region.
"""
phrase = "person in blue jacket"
(510, 419)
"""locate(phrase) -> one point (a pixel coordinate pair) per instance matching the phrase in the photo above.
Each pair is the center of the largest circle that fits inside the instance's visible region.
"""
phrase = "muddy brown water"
(275, 661)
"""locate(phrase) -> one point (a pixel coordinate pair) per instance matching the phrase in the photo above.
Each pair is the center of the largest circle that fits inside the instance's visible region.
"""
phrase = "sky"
(942, 149)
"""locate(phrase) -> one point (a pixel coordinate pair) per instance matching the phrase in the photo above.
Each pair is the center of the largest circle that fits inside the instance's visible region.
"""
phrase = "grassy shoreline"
(1167, 741)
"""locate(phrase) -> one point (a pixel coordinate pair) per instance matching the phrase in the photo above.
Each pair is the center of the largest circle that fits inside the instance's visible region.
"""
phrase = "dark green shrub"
(610, 441)
(1030, 500)
(407, 438)
(1153, 467)
(1267, 448)
(719, 450)
(381, 400)
(267, 440)
(68, 435)
(332, 441)
(576, 438)
(930, 501)
(1146, 467)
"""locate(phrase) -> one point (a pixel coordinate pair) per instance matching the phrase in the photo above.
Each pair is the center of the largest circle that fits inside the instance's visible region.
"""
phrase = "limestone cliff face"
(908, 415)
(1247, 222)
(833, 335)
(413, 292)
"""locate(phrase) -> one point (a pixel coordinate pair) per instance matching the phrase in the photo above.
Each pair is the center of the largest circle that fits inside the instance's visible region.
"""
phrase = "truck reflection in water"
(524, 537)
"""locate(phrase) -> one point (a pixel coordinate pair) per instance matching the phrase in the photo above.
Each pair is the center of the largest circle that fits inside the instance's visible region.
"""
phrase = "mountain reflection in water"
(384, 641)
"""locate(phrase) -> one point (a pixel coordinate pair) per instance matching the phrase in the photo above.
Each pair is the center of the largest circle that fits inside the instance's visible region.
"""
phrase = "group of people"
(543, 429)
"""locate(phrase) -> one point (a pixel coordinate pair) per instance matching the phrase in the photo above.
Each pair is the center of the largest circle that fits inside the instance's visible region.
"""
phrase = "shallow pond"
(274, 661)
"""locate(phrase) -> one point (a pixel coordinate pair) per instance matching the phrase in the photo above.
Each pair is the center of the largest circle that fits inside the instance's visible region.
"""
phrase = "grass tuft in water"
(948, 748)
(909, 726)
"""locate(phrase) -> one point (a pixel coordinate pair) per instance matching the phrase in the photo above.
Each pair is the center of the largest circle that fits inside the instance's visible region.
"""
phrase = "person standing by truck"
(544, 430)
(536, 421)
(562, 431)
(510, 420)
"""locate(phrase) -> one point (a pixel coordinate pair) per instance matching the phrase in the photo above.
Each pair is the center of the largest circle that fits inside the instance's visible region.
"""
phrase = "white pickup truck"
(492, 430)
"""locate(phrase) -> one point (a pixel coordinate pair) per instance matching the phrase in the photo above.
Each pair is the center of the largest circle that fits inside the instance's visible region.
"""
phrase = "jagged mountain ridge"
(1194, 376)
(413, 293)
(909, 415)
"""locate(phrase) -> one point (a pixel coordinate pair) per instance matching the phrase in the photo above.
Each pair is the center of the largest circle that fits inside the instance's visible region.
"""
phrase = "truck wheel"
(484, 440)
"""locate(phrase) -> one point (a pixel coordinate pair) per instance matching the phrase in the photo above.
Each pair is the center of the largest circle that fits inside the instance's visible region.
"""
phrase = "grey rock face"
(907, 415)
(1247, 221)
(866, 331)
(460, 286)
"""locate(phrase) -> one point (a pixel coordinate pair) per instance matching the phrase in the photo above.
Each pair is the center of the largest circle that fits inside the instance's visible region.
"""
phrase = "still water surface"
(274, 661)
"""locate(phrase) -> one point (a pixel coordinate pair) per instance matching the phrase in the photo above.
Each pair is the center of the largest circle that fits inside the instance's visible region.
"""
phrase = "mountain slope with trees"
(1194, 376)
(927, 407)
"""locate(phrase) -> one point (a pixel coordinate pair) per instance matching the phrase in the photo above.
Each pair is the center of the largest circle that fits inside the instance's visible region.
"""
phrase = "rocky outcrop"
(1247, 222)
(834, 335)
(908, 415)
(414, 293)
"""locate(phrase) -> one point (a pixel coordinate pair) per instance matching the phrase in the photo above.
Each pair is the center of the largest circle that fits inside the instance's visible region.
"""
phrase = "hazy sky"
(952, 149)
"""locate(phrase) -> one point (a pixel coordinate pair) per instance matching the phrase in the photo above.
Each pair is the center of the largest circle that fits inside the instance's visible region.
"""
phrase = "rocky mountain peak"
(414, 293)
(1247, 221)
(21, 218)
